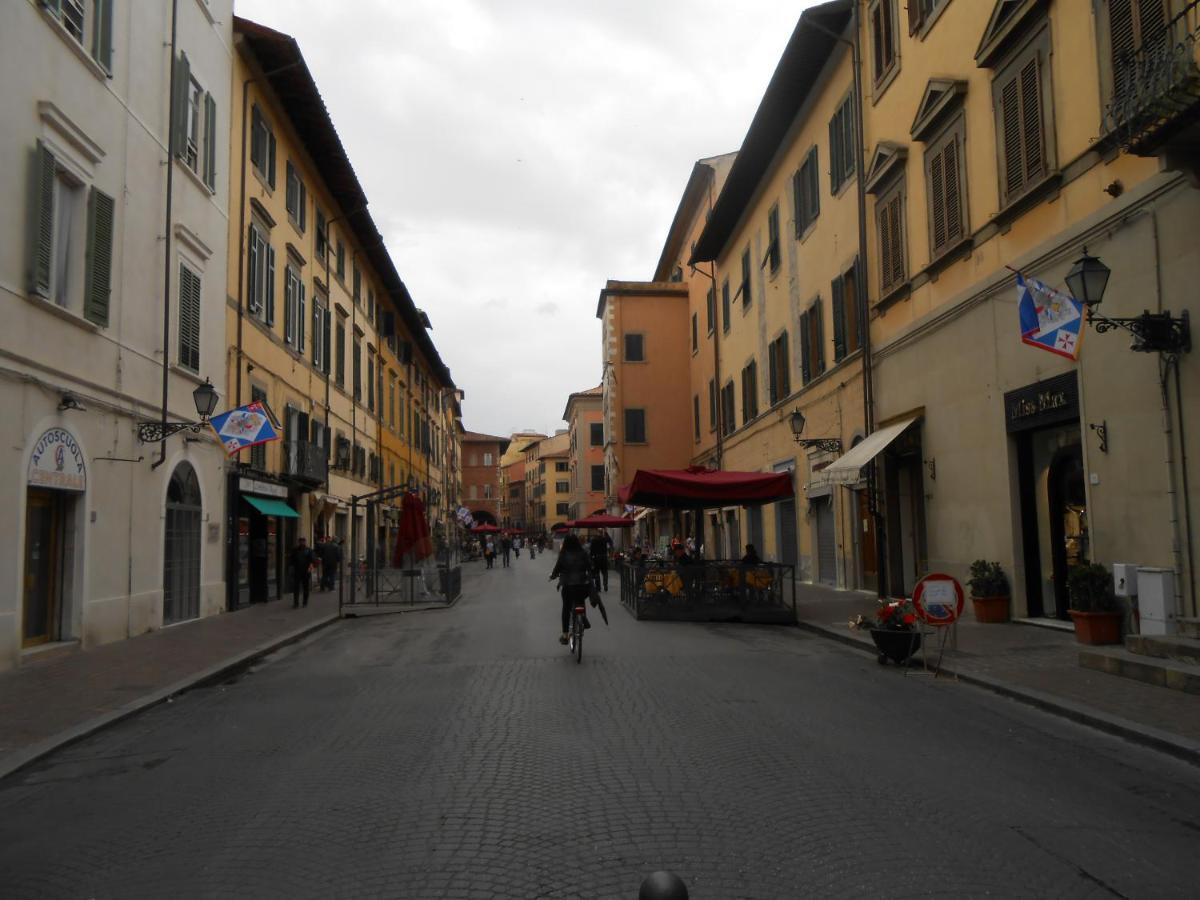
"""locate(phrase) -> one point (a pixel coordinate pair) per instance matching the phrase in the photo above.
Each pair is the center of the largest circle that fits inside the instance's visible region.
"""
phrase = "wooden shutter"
(818, 322)
(189, 318)
(953, 195)
(838, 304)
(772, 373)
(885, 246)
(97, 280)
(915, 16)
(289, 295)
(805, 361)
(271, 158)
(896, 239)
(301, 316)
(1034, 157)
(835, 137)
(102, 34)
(798, 198)
(812, 187)
(270, 298)
(326, 337)
(785, 366)
(210, 141)
(179, 105)
(253, 301)
(42, 245)
(937, 202)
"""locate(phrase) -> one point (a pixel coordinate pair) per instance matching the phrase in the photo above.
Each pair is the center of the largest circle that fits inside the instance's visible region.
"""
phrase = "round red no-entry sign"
(938, 598)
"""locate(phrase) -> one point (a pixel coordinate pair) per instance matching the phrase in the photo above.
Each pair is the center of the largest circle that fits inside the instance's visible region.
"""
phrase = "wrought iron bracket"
(156, 432)
(1102, 433)
(829, 445)
(1152, 332)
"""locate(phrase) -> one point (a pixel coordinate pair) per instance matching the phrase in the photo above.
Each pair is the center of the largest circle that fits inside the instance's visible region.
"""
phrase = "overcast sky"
(518, 153)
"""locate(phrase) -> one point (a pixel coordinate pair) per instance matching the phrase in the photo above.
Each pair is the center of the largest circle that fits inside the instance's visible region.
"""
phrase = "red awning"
(486, 528)
(602, 520)
(623, 494)
(697, 488)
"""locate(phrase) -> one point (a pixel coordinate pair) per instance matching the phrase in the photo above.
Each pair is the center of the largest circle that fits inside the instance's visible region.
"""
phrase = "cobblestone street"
(463, 753)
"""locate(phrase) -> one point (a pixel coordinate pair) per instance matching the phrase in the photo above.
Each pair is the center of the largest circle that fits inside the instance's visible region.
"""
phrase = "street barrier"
(709, 591)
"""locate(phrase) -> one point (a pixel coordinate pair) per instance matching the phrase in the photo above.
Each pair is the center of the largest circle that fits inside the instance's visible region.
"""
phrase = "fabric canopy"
(847, 468)
(412, 537)
(602, 520)
(271, 507)
(623, 494)
(486, 528)
(698, 488)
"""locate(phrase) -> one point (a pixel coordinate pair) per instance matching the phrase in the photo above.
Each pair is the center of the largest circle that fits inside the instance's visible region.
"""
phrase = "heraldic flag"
(244, 427)
(1049, 319)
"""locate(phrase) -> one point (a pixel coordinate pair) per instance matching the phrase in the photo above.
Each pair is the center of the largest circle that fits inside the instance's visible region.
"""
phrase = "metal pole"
(353, 561)
(166, 357)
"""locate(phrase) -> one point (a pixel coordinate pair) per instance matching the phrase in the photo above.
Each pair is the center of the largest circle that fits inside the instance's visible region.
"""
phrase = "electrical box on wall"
(1156, 601)
(1125, 579)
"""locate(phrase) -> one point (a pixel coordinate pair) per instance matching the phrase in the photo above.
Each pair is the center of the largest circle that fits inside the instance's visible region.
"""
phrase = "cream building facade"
(108, 324)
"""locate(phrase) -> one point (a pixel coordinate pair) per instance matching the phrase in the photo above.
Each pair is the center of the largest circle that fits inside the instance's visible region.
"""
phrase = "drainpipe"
(166, 357)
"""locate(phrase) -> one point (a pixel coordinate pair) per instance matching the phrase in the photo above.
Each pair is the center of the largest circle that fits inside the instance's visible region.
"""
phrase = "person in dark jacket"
(301, 560)
(599, 547)
(573, 569)
(751, 558)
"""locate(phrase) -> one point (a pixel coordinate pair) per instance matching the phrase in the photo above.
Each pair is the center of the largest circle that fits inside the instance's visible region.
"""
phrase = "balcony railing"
(305, 462)
(1156, 89)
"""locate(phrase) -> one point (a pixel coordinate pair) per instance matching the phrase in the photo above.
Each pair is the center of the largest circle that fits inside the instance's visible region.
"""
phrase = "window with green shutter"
(725, 306)
(842, 157)
(744, 290)
(806, 193)
(97, 273)
(773, 255)
(210, 142)
(189, 319)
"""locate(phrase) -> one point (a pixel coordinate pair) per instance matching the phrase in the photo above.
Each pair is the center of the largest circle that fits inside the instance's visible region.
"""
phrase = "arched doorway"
(181, 552)
(483, 517)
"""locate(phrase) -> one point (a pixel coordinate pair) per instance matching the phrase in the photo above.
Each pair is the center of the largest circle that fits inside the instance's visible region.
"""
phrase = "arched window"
(181, 550)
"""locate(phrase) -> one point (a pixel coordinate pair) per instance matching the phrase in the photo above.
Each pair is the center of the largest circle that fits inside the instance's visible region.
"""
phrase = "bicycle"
(575, 635)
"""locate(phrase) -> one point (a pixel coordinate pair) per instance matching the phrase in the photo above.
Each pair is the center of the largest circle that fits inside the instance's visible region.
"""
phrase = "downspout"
(171, 113)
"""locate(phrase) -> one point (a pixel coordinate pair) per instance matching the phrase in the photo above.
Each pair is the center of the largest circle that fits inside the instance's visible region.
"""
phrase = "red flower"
(909, 618)
(885, 613)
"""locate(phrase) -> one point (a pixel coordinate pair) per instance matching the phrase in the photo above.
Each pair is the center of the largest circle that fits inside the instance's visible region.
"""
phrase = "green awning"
(271, 507)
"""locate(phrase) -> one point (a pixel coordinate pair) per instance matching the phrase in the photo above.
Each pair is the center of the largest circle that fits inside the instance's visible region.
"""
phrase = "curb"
(1181, 748)
(13, 762)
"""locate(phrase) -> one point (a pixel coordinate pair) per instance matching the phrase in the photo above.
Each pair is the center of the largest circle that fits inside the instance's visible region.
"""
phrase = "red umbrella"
(698, 488)
(602, 520)
(485, 528)
(412, 537)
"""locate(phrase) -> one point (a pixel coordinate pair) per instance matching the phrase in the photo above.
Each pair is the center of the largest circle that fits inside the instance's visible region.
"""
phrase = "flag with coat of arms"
(1050, 319)
(244, 427)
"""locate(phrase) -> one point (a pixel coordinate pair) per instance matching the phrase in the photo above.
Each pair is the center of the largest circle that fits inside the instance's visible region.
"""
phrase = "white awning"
(847, 468)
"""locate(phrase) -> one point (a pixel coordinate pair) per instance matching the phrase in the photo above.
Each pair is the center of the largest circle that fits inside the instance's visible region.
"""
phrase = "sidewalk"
(44, 705)
(1035, 665)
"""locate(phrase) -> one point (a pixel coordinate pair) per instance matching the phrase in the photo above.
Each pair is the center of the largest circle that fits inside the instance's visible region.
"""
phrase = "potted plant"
(1093, 605)
(893, 629)
(989, 591)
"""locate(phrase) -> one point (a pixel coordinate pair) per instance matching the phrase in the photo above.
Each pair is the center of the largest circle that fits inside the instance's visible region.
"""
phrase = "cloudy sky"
(519, 153)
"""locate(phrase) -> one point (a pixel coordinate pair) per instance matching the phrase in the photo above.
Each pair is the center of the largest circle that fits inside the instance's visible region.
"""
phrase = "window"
(356, 281)
(357, 370)
(391, 402)
(189, 319)
(882, 17)
(1135, 29)
(677, 274)
(562, 509)
(1019, 95)
(807, 193)
(341, 259)
(773, 256)
(728, 422)
(261, 276)
(562, 467)
(339, 374)
(725, 306)
(320, 334)
(92, 31)
(596, 434)
(635, 426)
(841, 146)
(371, 306)
(779, 370)
(695, 334)
(696, 416)
(922, 13)
(192, 116)
(712, 405)
(945, 182)
(262, 146)
(487, 492)
(71, 263)
(488, 459)
(322, 237)
(711, 308)
(889, 217)
(598, 478)
(474, 492)
(370, 382)
(294, 311)
(634, 348)
(562, 487)
(844, 293)
(749, 391)
(744, 289)
(296, 198)
(812, 342)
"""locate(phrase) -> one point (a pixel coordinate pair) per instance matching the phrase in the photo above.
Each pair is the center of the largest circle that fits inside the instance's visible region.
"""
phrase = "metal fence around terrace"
(710, 591)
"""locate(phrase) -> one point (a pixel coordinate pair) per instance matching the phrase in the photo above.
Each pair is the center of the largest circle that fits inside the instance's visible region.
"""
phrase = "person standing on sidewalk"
(505, 549)
(300, 561)
(599, 547)
(329, 554)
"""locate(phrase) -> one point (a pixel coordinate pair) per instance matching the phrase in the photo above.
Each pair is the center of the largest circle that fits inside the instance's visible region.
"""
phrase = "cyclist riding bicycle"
(573, 569)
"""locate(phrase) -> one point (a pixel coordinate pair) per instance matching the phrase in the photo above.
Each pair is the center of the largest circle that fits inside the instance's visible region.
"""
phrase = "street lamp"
(205, 398)
(1152, 332)
(796, 420)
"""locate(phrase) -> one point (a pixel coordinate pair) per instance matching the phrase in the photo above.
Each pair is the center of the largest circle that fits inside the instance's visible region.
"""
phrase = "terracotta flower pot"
(990, 609)
(1097, 627)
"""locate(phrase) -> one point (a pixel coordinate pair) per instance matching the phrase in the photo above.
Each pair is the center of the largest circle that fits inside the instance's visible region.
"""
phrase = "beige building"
(584, 416)
(554, 473)
(112, 281)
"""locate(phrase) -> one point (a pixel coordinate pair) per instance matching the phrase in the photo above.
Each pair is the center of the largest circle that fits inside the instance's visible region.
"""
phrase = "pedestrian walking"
(505, 549)
(517, 546)
(301, 561)
(598, 548)
(489, 552)
(330, 555)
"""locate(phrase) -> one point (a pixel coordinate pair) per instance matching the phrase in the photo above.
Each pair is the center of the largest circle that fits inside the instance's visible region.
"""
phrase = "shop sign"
(263, 488)
(1042, 403)
(57, 462)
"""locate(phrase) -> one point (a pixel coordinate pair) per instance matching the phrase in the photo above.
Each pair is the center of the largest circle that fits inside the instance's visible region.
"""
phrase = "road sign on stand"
(938, 599)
